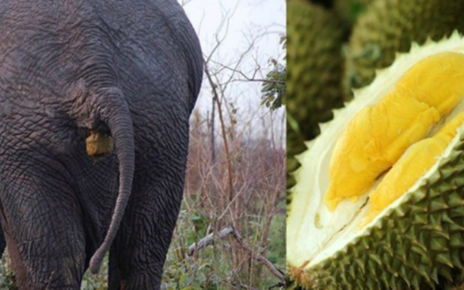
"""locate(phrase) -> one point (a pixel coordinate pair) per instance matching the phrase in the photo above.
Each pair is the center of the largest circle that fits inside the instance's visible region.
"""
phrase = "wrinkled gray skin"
(132, 69)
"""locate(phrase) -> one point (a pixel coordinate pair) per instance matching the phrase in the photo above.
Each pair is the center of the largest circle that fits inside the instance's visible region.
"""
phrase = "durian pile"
(379, 195)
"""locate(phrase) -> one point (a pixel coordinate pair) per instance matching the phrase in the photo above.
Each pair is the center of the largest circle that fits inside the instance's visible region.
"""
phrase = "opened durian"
(379, 199)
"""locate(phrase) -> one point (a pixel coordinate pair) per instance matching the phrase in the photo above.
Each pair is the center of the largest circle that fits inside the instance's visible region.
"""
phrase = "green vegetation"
(209, 267)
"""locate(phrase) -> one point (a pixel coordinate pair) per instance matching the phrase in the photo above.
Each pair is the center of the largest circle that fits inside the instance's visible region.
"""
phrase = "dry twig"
(273, 269)
(209, 239)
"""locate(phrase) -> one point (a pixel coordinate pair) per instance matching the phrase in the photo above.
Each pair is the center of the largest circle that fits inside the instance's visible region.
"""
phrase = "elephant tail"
(114, 110)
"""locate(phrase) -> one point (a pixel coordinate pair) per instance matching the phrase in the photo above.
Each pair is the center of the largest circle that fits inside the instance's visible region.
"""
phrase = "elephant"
(95, 100)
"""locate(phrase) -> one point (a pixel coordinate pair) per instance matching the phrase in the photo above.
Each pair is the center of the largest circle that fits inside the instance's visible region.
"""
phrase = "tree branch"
(209, 239)
(273, 269)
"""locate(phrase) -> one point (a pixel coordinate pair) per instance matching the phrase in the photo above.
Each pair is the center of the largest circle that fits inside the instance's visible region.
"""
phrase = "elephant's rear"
(54, 56)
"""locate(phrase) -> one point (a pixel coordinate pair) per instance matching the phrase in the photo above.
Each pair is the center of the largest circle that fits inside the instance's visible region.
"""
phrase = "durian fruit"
(314, 63)
(390, 26)
(400, 224)
(350, 10)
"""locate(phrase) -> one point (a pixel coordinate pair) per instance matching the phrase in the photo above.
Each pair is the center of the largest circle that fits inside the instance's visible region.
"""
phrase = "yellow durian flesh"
(314, 233)
(378, 135)
(414, 163)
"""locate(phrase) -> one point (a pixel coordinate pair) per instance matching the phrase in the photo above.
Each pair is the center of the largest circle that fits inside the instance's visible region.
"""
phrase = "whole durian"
(379, 199)
(390, 26)
(314, 63)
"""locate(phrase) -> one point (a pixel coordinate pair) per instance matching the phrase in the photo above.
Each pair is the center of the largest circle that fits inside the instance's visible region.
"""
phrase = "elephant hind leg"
(12, 248)
(144, 237)
(21, 275)
(45, 234)
(18, 266)
(115, 281)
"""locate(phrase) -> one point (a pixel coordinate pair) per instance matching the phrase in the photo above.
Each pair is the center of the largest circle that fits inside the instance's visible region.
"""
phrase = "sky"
(252, 26)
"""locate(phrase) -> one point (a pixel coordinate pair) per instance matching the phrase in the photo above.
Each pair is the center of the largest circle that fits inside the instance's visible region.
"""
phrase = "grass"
(212, 267)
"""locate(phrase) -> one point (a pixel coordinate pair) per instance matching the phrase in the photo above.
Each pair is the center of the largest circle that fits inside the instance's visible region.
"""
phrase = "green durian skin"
(314, 63)
(418, 245)
(350, 10)
(390, 26)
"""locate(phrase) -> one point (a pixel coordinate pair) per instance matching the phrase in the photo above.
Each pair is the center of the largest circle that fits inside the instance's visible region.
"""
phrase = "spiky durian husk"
(390, 26)
(350, 10)
(416, 243)
(314, 64)
(416, 246)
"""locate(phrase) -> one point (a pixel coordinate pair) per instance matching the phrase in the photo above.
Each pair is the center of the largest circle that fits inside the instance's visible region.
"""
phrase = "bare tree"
(236, 165)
